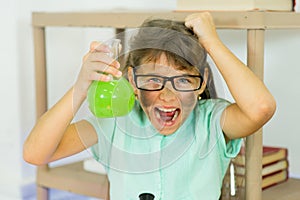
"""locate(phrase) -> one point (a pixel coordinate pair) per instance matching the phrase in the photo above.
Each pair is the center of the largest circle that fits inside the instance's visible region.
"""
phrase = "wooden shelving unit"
(72, 177)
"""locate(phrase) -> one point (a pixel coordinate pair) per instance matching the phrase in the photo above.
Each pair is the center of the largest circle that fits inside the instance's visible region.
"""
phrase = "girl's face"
(166, 109)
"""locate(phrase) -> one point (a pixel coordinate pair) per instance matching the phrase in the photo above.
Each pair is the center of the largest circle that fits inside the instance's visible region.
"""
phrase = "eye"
(184, 80)
(154, 80)
(149, 82)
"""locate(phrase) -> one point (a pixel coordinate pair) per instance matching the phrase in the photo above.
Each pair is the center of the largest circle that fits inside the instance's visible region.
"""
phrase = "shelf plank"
(289, 190)
(74, 178)
(223, 19)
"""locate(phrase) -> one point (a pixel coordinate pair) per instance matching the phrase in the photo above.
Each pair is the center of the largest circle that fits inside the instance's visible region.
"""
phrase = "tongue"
(166, 116)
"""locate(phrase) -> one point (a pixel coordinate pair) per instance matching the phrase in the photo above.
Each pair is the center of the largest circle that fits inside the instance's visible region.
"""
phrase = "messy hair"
(178, 43)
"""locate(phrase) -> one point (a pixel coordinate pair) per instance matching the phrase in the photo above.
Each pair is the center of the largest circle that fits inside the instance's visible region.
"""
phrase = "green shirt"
(188, 164)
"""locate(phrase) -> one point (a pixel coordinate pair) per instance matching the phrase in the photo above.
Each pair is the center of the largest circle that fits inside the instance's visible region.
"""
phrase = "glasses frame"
(165, 79)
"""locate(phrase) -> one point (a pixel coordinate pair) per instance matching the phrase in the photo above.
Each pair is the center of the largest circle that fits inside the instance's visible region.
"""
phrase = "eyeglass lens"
(181, 83)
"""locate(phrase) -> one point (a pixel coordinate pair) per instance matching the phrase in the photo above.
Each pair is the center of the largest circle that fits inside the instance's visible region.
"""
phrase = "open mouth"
(167, 115)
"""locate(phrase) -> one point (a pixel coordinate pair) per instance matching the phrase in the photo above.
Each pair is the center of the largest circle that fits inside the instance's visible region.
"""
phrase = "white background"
(65, 51)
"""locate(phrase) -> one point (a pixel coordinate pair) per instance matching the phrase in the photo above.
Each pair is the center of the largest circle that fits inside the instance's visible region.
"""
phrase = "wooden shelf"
(72, 178)
(223, 19)
(289, 190)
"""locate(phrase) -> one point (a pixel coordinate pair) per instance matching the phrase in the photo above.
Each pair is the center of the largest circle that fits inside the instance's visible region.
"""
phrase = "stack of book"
(274, 170)
(274, 165)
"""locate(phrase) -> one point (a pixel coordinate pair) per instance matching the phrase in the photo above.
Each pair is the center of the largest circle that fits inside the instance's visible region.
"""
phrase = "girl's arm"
(254, 105)
(54, 137)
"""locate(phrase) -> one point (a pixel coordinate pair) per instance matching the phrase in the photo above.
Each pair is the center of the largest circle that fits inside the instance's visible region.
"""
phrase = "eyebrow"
(168, 76)
(156, 65)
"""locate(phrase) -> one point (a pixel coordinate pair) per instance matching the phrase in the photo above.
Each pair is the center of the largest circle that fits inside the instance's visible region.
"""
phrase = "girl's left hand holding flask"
(97, 66)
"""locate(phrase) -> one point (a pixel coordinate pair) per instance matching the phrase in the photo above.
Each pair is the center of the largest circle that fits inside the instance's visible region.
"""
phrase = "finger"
(190, 20)
(191, 17)
(102, 57)
(103, 68)
(100, 77)
(189, 24)
(98, 46)
(85, 57)
(197, 16)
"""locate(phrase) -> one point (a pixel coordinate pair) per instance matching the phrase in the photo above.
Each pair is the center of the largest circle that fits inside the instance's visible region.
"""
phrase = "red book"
(274, 178)
(274, 168)
(267, 181)
(266, 169)
(270, 155)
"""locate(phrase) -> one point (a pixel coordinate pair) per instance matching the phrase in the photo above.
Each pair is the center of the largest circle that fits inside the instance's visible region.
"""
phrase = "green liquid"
(111, 99)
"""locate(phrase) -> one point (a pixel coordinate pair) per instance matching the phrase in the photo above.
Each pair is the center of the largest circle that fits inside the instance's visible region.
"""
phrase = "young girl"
(178, 140)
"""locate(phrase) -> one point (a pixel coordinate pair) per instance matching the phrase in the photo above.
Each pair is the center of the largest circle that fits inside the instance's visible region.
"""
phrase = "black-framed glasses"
(153, 82)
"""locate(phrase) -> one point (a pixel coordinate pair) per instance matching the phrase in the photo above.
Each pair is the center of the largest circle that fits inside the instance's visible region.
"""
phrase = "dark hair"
(177, 42)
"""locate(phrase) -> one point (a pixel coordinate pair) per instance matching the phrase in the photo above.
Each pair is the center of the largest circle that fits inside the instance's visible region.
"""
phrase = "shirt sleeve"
(101, 150)
(232, 147)
(210, 132)
(95, 148)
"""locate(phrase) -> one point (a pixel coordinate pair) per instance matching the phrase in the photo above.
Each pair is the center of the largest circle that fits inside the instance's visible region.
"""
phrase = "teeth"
(167, 110)
(175, 116)
(157, 114)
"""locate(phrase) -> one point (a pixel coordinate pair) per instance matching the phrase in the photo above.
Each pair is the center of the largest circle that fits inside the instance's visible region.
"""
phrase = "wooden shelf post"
(255, 61)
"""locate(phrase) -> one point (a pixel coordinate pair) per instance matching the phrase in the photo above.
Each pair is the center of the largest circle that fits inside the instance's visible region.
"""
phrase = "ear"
(131, 79)
(204, 82)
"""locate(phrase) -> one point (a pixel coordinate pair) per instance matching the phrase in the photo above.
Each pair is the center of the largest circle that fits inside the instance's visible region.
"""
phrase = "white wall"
(17, 77)
(282, 76)
(9, 106)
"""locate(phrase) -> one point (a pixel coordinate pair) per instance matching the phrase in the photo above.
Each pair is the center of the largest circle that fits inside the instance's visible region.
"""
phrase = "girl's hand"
(203, 26)
(97, 66)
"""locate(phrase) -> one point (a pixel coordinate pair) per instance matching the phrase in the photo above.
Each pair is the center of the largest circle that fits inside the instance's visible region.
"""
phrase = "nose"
(167, 93)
